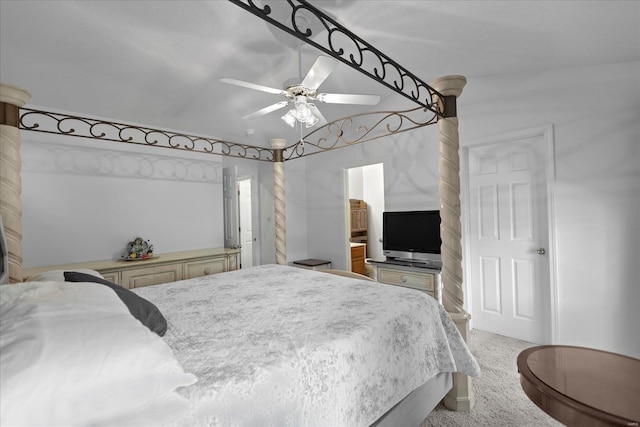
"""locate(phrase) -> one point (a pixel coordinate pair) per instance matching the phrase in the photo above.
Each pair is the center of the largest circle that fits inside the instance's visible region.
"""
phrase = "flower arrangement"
(139, 248)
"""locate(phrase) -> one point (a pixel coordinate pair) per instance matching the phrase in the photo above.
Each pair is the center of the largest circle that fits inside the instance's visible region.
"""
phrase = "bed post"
(11, 99)
(278, 145)
(461, 397)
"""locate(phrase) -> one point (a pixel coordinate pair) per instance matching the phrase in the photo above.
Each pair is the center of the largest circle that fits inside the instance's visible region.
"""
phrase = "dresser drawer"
(112, 276)
(357, 259)
(233, 262)
(204, 268)
(138, 277)
(421, 281)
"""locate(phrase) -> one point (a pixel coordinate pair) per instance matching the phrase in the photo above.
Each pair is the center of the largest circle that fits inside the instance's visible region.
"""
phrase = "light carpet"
(500, 400)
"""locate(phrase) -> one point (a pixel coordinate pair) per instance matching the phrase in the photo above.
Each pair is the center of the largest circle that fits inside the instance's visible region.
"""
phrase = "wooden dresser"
(162, 268)
(358, 256)
(358, 221)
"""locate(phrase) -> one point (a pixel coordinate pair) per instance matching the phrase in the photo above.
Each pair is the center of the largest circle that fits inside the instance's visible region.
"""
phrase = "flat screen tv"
(411, 236)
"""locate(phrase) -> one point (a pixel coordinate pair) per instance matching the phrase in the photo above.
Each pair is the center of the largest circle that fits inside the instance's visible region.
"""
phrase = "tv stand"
(432, 265)
(409, 274)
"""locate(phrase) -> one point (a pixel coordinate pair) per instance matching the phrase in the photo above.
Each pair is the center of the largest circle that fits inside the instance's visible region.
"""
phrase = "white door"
(508, 238)
(246, 229)
(230, 206)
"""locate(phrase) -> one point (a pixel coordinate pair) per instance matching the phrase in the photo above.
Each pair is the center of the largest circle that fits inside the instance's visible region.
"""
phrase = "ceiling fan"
(299, 94)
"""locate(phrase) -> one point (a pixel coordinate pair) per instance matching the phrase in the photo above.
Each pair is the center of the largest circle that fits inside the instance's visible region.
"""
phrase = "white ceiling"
(159, 63)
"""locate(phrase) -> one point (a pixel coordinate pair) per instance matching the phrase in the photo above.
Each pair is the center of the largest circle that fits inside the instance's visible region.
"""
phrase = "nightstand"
(312, 264)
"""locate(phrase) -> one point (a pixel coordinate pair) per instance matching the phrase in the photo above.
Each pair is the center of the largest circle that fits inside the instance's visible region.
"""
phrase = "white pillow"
(72, 354)
(58, 275)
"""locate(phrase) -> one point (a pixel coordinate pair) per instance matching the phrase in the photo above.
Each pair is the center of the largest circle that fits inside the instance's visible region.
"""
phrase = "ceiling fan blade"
(346, 98)
(266, 110)
(253, 86)
(318, 73)
(321, 119)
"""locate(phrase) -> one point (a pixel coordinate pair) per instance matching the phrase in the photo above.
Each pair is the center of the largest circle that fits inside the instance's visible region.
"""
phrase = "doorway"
(246, 227)
(365, 204)
(240, 220)
(508, 206)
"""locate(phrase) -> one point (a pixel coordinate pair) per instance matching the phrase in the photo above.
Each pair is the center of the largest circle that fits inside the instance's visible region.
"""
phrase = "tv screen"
(411, 231)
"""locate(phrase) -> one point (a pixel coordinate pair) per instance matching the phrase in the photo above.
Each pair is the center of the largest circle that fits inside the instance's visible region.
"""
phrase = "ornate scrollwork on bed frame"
(359, 128)
(339, 133)
(63, 124)
(313, 26)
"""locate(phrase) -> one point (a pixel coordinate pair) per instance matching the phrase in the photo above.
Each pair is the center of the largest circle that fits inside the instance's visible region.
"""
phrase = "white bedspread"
(283, 346)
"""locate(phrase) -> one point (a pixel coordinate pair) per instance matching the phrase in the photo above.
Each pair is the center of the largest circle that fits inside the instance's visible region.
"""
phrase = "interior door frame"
(251, 181)
(230, 207)
(347, 209)
(546, 133)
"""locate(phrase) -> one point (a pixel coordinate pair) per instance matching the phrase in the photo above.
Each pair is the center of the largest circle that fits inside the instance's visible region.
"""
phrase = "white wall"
(295, 212)
(594, 111)
(410, 183)
(83, 200)
(355, 183)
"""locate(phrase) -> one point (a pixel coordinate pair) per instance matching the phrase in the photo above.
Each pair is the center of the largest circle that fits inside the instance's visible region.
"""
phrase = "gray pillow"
(143, 310)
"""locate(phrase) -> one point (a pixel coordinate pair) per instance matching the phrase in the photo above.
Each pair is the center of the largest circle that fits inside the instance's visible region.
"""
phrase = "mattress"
(284, 346)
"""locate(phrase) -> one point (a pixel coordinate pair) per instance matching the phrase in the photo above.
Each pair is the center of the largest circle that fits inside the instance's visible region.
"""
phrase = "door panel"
(488, 203)
(246, 228)
(521, 215)
(524, 288)
(230, 206)
(507, 223)
(490, 285)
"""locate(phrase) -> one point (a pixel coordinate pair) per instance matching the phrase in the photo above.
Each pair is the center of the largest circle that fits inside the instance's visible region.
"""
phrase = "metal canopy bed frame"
(436, 104)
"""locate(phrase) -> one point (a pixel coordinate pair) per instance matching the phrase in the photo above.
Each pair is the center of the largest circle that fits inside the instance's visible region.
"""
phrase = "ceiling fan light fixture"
(301, 113)
(290, 118)
(311, 120)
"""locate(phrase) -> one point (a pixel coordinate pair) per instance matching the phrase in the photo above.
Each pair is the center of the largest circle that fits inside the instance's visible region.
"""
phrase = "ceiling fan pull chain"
(301, 140)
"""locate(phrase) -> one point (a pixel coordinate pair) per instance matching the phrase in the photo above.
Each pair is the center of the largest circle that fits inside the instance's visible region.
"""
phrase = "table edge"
(578, 411)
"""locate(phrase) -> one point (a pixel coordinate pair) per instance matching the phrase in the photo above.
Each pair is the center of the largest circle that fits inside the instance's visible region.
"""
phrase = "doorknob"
(541, 251)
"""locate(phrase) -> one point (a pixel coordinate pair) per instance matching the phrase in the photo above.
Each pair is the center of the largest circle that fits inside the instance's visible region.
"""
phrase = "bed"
(272, 345)
(437, 105)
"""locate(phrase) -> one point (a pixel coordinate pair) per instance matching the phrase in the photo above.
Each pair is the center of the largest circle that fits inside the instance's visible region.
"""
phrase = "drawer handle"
(403, 279)
(207, 271)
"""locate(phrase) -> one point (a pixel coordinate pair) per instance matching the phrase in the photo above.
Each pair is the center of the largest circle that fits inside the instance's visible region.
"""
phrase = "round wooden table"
(581, 386)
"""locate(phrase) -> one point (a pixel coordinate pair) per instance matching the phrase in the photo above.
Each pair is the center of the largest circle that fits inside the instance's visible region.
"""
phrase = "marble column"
(461, 397)
(11, 99)
(278, 145)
